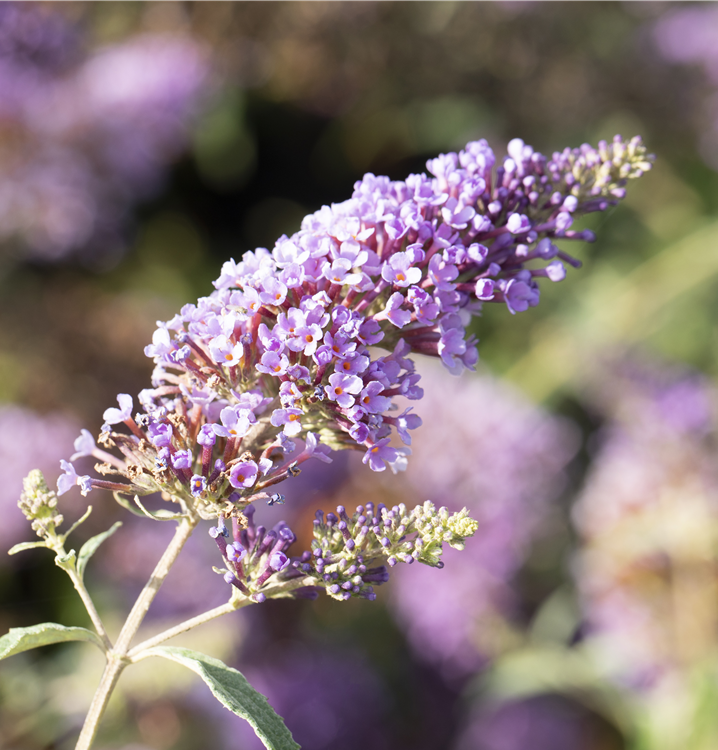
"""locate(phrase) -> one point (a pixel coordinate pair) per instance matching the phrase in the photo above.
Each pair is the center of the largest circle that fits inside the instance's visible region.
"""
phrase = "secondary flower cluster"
(349, 553)
(281, 349)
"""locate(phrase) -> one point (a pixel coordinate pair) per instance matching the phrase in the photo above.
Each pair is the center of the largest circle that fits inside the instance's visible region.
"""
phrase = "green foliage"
(89, 548)
(25, 545)
(232, 690)
(18, 640)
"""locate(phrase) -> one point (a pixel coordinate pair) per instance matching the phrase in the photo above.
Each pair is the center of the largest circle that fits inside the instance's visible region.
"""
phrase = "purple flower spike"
(281, 349)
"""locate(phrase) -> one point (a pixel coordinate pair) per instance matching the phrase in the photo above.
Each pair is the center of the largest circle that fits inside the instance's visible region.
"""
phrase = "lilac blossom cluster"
(648, 516)
(120, 114)
(687, 36)
(289, 345)
(349, 554)
(544, 722)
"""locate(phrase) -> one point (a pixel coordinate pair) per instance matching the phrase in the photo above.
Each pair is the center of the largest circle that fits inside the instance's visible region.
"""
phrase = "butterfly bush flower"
(648, 516)
(313, 342)
(544, 722)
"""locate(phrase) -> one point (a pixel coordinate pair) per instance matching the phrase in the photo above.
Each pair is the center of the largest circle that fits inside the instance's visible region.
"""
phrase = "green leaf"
(25, 545)
(82, 520)
(89, 548)
(18, 640)
(66, 561)
(127, 505)
(157, 515)
(232, 690)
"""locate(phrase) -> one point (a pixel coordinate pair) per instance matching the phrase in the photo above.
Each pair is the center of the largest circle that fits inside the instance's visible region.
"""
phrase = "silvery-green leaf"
(90, 546)
(25, 545)
(77, 523)
(232, 690)
(18, 640)
(66, 561)
(127, 505)
(157, 515)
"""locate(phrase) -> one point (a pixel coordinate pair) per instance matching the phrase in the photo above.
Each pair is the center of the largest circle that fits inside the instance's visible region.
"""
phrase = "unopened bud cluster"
(350, 554)
(255, 555)
(39, 504)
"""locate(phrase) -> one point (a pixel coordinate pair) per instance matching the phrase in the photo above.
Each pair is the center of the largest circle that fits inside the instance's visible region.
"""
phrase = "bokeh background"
(142, 144)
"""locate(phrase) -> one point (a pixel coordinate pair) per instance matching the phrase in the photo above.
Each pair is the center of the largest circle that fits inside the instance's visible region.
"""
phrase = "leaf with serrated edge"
(90, 546)
(18, 640)
(232, 690)
(25, 545)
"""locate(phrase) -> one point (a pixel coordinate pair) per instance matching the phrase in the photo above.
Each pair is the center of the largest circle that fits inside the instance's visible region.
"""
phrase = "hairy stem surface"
(136, 653)
(117, 657)
(79, 585)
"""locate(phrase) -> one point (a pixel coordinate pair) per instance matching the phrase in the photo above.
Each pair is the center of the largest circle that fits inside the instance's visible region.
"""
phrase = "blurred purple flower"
(28, 441)
(86, 135)
(128, 558)
(689, 36)
(538, 723)
(648, 515)
(485, 447)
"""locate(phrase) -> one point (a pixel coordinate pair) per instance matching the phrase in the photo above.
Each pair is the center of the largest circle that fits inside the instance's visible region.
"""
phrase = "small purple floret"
(113, 416)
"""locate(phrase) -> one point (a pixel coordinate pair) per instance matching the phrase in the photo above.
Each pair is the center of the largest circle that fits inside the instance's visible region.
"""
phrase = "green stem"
(237, 602)
(68, 565)
(113, 668)
(137, 614)
(136, 654)
(79, 585)
(117, 657)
